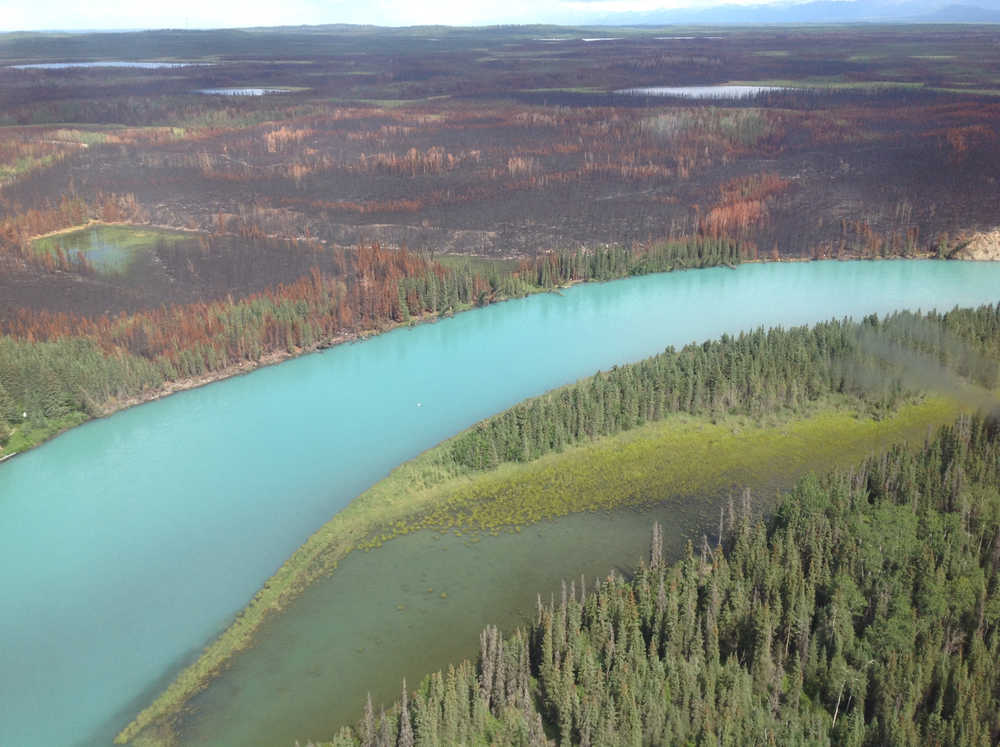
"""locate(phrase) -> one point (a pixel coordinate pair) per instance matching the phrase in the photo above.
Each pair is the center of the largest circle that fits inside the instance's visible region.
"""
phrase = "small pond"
(109, 249)
(247, 91)
(705, 92)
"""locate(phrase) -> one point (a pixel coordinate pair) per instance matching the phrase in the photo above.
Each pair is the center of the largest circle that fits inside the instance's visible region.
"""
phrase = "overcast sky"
(144, 14)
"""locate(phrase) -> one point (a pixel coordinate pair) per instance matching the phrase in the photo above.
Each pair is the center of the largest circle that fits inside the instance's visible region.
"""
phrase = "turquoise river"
(128, 543)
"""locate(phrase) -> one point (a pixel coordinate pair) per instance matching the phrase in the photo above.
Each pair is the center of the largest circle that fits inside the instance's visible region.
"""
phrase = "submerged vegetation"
(718, 444)
(866, 610)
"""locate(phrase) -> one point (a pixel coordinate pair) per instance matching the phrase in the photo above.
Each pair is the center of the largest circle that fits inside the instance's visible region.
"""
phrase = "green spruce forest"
(864, 611)
(876, 362)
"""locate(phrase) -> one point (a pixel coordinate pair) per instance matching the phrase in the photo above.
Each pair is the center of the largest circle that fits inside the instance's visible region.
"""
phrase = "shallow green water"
(112, 249)
(380, 617)
(127, 543)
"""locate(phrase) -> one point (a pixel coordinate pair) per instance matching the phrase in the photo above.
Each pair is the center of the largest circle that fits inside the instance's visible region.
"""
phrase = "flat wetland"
(111, 249)
(112, 267)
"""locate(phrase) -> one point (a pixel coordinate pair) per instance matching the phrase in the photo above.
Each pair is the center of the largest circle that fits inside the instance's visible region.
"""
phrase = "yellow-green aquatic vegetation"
(865, 611)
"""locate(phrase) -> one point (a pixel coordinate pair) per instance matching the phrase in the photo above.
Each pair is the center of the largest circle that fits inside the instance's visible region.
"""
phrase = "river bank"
(25, 438)
(38, 435)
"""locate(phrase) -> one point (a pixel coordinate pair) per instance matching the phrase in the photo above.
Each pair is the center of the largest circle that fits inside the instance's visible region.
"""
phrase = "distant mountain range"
(821, 11)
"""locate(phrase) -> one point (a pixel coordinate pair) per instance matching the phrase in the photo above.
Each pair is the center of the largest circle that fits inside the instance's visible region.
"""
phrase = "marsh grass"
(35, 431)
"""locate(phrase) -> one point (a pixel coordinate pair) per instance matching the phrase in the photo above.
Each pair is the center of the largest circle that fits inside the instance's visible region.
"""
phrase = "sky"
(18, 15)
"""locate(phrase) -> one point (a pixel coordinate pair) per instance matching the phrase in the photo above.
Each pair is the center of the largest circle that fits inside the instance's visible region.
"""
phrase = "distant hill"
(962, 14)
(820, 11)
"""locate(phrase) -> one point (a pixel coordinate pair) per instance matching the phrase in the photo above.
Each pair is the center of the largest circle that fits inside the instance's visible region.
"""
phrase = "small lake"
(106, 63)
(128, 543)
(243, 91)
(705, 92)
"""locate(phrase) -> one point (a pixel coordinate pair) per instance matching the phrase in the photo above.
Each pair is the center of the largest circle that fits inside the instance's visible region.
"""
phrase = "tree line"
(864, 611)
(875, 361)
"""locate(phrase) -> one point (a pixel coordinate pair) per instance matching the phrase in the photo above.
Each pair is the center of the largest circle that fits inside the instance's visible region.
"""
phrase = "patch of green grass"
(970, 91)
(125, 236)
(33, 432)
(26, 165)
(681, 455)
(482, 265)
(827, 83)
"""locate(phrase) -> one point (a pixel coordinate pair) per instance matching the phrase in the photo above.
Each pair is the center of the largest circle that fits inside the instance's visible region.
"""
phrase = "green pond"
(128, 543)
(112, 249)
(146, 267)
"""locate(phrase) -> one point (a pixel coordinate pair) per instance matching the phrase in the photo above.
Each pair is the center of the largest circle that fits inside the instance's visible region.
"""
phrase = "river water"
(128, 543)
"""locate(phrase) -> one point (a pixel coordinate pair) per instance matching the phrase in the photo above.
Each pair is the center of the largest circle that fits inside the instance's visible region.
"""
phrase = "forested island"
(865, 610)
(180, 207)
